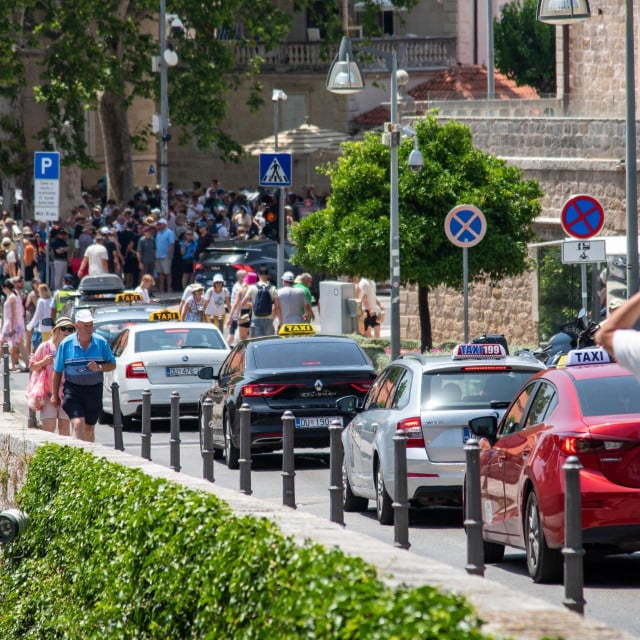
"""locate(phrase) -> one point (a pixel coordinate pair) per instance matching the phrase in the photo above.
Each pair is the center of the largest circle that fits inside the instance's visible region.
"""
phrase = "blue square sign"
(275, 169)
(46, 165)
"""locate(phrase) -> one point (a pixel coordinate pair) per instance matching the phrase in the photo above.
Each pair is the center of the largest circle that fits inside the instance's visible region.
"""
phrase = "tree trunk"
(426, 339)
(117, 147)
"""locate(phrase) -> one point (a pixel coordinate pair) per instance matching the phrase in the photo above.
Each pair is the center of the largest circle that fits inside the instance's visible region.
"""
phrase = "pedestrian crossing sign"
(275, 169)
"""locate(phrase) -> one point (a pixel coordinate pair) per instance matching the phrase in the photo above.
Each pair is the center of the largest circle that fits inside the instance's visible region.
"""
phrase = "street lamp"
(278, 96)
(568, 12)
(345, 77)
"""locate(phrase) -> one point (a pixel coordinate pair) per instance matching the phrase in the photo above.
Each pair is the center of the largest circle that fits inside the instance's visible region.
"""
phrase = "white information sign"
(46, 173)
(583, 251)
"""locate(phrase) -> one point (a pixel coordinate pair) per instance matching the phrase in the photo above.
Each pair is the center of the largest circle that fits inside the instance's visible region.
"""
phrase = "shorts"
(83, 401)
(49, 411)
(187, 266)
(244, 318)
(370, 320)
(163, 265)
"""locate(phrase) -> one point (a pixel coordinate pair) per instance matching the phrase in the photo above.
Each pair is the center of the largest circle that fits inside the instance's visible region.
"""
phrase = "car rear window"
(178, 338)
(283, 354)
(609, 396)
(470, 390)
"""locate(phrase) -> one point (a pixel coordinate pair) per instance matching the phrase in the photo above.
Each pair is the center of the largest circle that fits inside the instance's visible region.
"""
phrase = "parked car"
(94, 291)
(432, 400)
(589, 408)
(304, 375)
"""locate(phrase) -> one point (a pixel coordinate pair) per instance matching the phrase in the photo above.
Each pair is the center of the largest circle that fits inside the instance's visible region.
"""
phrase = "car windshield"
(471, 389)
(609, 396)
(222, 259)
(281, 354)
(178, 338)
(109, 330)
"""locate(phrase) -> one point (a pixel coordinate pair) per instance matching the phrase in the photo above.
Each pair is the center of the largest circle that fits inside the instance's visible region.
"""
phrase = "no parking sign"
(582, 216)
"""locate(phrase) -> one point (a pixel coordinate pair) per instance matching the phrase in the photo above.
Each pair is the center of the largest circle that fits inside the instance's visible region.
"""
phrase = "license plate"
(466, 434)
(182, 371)
(316, 422)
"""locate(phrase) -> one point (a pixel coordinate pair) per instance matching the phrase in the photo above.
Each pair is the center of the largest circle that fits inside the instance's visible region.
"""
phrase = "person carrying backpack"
(265, 305)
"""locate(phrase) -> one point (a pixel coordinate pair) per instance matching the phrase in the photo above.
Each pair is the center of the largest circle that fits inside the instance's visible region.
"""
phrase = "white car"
(162, 357)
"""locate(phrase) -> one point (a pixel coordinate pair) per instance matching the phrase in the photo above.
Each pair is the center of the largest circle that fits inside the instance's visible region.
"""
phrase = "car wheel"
(352, 503)
(231, 453)
(384, 510)
(544, 564)
(106, 418)
(128, 422)
(493, 552)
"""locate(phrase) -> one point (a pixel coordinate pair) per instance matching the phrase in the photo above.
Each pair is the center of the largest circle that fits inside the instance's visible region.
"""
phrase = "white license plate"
(316, 422)
(182, 371)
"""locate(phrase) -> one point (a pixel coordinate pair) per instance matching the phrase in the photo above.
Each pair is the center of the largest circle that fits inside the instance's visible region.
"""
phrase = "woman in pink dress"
(13, 327)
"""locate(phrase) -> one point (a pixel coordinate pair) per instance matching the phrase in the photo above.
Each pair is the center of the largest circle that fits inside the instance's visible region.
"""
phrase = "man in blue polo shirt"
(165, 244)
(83, 357)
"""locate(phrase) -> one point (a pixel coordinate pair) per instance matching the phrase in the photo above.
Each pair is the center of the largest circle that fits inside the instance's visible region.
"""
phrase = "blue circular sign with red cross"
(465, 225)
(582, 216)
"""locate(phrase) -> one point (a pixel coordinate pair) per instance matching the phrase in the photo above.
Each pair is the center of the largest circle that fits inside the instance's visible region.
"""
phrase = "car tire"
(384, 508)
(231, 452)
(129, 423)
(493, 552)
(352, 502)
(106, 418)
(543, 564)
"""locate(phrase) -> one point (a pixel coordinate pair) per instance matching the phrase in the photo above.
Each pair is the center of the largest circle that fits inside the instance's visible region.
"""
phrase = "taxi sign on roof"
(164, 315)
(128, 296)
(477, 351)
(578, 357)
(305, 329)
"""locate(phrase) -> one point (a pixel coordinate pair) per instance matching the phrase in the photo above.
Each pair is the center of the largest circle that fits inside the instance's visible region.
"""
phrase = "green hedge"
(111, 553)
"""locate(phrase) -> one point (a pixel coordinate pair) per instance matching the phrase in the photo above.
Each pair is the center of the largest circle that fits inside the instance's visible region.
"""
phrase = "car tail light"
(413, 428)
(588, 449)
(361, 386)
(135, 370)
(262, 390)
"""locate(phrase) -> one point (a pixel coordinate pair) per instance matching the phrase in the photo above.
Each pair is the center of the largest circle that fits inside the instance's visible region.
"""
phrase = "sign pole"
(583, 278)
(465, 288)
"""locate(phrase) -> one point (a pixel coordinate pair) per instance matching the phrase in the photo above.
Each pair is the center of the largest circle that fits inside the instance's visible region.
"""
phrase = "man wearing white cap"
(293, 303)
(83, 358)
(165, 244)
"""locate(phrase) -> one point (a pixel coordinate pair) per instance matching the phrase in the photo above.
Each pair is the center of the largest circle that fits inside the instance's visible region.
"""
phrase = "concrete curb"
(506, 613)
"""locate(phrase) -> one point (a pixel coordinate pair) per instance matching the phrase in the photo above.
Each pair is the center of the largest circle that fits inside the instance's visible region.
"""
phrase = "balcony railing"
(413, 54)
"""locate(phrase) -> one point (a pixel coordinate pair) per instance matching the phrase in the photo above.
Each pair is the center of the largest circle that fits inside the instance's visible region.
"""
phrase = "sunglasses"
(67, 329)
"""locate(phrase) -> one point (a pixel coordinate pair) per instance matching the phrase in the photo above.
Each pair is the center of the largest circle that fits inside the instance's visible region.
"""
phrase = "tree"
(525, 48)
(351, 235)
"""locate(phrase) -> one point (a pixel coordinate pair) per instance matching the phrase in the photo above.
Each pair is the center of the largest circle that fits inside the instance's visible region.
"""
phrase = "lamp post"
(564, 13)
(345, 77)
(278, 96)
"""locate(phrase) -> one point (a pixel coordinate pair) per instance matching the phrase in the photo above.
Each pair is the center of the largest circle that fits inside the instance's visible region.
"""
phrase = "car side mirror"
(347, 405)
(484, 427)
(206, 373)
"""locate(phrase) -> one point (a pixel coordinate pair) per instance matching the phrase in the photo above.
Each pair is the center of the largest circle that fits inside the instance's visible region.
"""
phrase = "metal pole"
(490, 56)
(117, 417)
(631, 168)
(583, 287)
(6, 405)
(145, 445)
(336, 487)
(401, 501)
(281, 222)
(245, 449)
(394, 224)
(473, 510)
(288, 460)
(465, 291)
(164, 113)
(207, 440)
(572, 551)
(174, 441)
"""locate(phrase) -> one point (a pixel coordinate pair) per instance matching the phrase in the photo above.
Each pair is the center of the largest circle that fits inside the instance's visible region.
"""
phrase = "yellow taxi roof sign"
(129, 296)
(303, 329)
(164, 315)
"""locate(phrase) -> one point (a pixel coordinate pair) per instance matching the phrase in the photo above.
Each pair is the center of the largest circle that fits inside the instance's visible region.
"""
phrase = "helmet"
(218, 278)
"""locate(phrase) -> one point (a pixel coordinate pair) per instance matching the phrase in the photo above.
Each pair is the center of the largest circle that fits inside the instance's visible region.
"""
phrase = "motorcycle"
(576, 334)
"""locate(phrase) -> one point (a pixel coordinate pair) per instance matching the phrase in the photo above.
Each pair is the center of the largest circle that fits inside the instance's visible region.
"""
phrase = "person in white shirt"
(619, 337)
(144, 287)
(217, 302)
(96, 258)
(370, 306)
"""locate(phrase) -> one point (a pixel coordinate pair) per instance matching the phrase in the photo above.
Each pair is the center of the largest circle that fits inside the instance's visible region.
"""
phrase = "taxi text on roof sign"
(129, 296)
(164, 315)
(587, 356)
(471, 351)
(305, 329)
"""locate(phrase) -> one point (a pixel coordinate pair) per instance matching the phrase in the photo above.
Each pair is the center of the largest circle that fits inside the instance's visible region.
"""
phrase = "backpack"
(263, 304)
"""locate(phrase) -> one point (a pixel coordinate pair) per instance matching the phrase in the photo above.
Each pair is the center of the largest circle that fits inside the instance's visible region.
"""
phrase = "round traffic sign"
(465, 225)
(582, 216)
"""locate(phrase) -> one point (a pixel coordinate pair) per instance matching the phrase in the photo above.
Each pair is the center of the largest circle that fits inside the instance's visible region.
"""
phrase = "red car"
(589, 408)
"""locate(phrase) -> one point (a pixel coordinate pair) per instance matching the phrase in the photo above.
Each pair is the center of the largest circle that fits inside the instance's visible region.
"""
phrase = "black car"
(304, 375)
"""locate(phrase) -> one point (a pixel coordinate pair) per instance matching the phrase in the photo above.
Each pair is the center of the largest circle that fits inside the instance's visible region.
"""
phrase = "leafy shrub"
(112, 554)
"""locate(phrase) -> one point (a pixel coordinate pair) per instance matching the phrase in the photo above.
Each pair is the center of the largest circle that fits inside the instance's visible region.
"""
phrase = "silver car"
(432, 399)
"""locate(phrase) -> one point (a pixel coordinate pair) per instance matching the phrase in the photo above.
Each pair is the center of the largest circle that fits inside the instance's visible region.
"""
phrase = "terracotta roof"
(456, 83)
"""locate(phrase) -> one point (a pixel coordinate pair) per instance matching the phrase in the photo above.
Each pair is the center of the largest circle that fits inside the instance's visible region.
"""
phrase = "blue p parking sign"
(46, 185)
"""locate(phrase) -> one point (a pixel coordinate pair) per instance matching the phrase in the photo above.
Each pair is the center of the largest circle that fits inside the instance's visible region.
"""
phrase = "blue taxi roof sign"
(479, 351)
(302, 329)
(589, 356)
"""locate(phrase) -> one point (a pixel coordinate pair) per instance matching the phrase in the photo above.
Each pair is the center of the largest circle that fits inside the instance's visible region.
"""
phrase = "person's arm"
(308, 311)
(276, 308)
(624, 318)
(55, 388)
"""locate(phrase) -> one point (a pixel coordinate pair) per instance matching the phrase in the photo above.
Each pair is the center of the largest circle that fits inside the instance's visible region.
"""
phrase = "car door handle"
(501, 460)
(525, 453)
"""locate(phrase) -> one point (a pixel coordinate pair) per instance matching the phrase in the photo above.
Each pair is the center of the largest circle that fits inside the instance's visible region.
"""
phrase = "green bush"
(111, 553)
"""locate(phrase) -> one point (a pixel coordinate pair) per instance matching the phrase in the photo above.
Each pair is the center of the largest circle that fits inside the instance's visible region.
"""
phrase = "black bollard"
(117, 417)
(174, 441)
(288, 460)
(207, 440)
(572, 551)
(336, 487)
(6, 405)
(473, 509)
(244, 461)
(401, 502)
(145, 442)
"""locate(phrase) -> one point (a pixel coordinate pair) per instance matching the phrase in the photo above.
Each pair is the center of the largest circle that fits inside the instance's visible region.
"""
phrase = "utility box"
(338, 307)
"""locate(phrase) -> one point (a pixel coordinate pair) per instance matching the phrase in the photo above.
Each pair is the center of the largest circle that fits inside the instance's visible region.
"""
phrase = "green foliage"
(351, 236)
(525, 48)
(112, 553)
